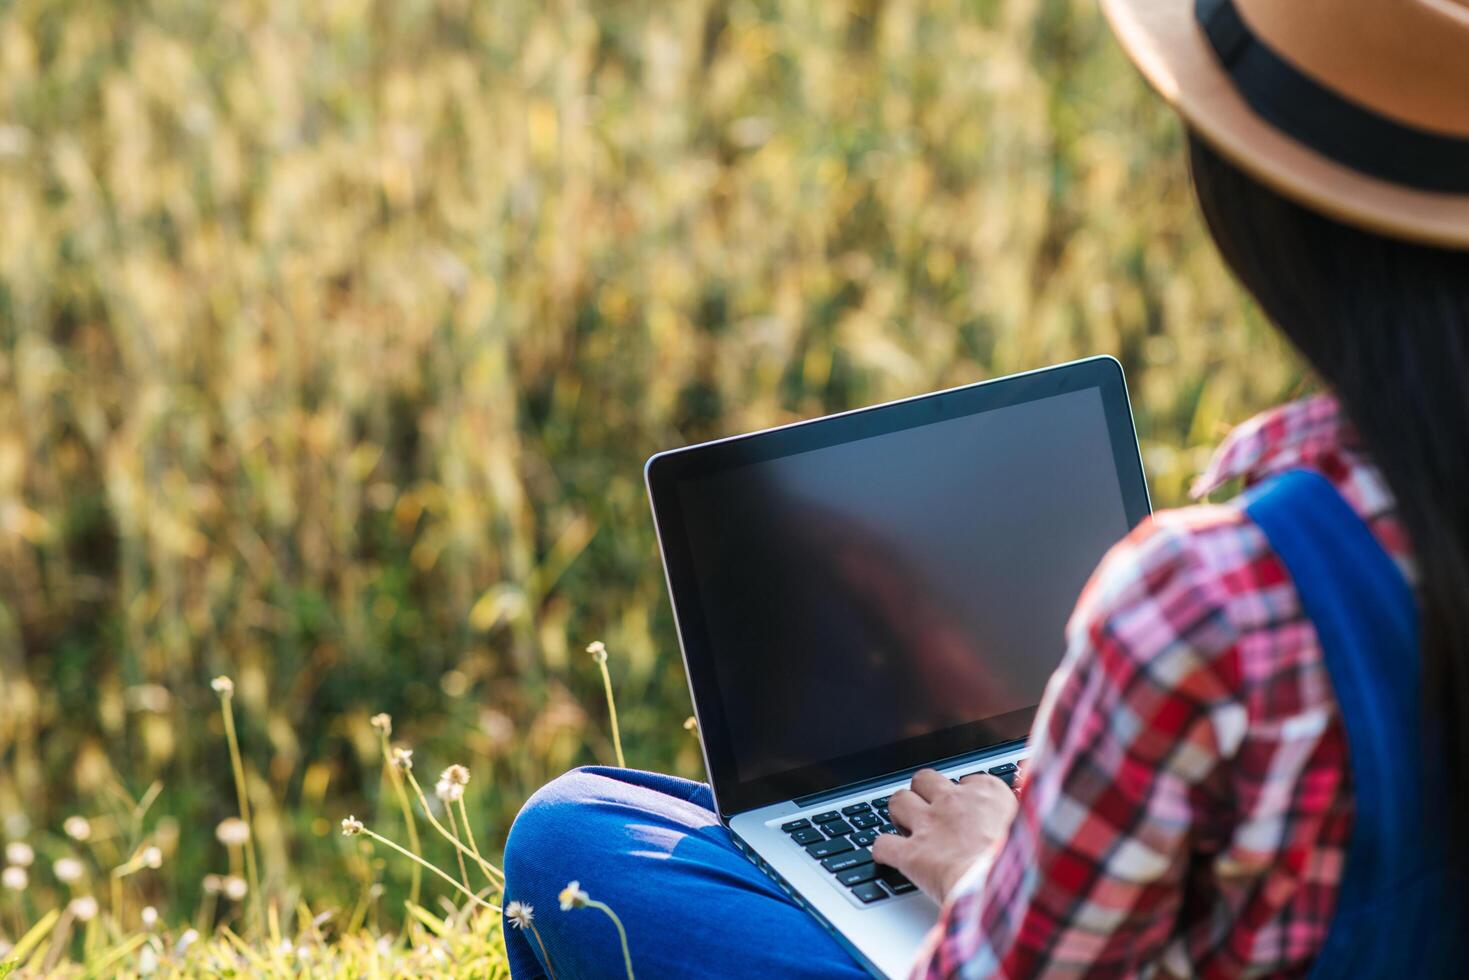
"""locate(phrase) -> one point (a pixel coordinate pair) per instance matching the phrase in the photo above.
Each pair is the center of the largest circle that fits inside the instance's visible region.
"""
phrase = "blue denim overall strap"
(1399, 910)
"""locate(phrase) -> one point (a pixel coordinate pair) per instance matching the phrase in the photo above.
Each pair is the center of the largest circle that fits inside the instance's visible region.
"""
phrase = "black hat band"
(1333, 126)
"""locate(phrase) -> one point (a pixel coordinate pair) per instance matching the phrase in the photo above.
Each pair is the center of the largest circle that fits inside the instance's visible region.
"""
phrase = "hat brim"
(1165, 42)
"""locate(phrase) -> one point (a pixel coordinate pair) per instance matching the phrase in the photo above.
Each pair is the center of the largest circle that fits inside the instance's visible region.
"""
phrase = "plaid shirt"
(1187, 803)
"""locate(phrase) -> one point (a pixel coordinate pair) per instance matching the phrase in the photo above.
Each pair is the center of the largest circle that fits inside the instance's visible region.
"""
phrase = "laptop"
(867, 594)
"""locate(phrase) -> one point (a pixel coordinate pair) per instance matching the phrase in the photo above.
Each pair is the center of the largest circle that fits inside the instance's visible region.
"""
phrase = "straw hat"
(1356, 108)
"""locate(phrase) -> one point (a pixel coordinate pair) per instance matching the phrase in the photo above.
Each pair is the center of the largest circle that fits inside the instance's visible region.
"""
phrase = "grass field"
(333, 336)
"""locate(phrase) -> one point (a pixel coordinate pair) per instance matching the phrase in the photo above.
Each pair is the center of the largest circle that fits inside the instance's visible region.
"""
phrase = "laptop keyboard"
(840, 841)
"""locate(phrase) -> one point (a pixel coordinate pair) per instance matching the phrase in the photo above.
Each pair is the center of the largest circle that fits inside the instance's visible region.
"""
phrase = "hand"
(949, 827)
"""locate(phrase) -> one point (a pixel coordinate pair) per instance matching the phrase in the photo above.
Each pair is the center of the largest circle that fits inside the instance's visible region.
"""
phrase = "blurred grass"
(333, 336)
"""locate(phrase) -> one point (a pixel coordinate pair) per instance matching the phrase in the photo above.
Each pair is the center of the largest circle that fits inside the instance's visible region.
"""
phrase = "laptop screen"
(883, 590)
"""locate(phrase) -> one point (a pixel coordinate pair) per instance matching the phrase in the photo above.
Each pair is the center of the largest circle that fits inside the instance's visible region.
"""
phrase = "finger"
(929, 784)
(906, 808)
(891, 850)
(976, 778)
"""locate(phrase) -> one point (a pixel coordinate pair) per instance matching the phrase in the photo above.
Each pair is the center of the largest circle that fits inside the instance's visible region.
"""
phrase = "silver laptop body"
(866, 594)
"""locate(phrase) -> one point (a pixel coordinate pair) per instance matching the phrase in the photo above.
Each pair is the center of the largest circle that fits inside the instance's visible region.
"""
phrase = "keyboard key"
(826, 848)
(896, 881)
(857, 875)
(1007, 777)
(795, 825)
(826, 817)
(862, 821)
(881, 802)
(888, 828)
(837, 828)
(856, 808)
(853, 859)
(863, 838)
(869, 892)
(807, 835)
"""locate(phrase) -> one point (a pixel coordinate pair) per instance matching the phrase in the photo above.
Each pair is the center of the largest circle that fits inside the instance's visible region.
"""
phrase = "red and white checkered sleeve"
(1133, 725)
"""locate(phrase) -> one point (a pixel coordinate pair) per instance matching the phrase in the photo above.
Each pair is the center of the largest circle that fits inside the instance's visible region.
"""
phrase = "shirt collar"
(1282, 438)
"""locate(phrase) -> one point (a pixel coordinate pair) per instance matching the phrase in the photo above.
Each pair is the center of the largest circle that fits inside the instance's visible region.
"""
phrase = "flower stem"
(621, 932)
(414, 844)
(458, 854)
(612, 712)
(432, 867)
(490, 871)
(60, 936)
(544, 955)
(468, 833)
(226, 701)
(117, 897)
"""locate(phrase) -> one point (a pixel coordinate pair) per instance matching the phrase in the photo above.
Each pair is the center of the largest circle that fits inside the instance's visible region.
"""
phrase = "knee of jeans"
(547, 821)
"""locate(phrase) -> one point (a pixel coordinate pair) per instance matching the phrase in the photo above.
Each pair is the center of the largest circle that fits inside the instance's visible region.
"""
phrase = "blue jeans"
(652, 848)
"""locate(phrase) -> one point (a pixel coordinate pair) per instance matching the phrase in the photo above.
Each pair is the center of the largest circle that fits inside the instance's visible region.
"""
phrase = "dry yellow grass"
(333, 336)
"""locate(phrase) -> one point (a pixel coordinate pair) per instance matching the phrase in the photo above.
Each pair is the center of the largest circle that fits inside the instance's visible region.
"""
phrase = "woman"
(1251, 756)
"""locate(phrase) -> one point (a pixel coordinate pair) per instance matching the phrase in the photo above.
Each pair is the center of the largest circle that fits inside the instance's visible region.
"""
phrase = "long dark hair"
(1385, 323)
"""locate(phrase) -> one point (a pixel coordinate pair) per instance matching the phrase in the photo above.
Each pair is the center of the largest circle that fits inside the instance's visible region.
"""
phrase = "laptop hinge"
(816, 799)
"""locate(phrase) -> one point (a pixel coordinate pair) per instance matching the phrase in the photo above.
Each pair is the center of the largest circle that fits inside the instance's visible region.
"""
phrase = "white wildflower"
(83, 908)
(402, 758)
(68, 870)
(519, 915)
(351, 826)
(77, 828)
(383, 722)
(235, 888)
(572, 897)
(189, 938)
(152, 858)
(150, 917)
(213, 884)
(15, 878)
(223, 686)
(233, 832)
(598, 650)
(19, 854)
(450, 787)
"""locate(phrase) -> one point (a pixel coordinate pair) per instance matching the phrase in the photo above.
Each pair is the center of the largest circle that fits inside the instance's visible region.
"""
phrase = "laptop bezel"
(664, 470)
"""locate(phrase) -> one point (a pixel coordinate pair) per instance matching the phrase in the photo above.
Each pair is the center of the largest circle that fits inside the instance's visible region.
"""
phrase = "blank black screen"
(861, 594)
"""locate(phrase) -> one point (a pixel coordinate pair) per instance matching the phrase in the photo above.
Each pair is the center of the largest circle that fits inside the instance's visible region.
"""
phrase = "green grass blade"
(100, 968)
(30, 941)
(435, 925)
